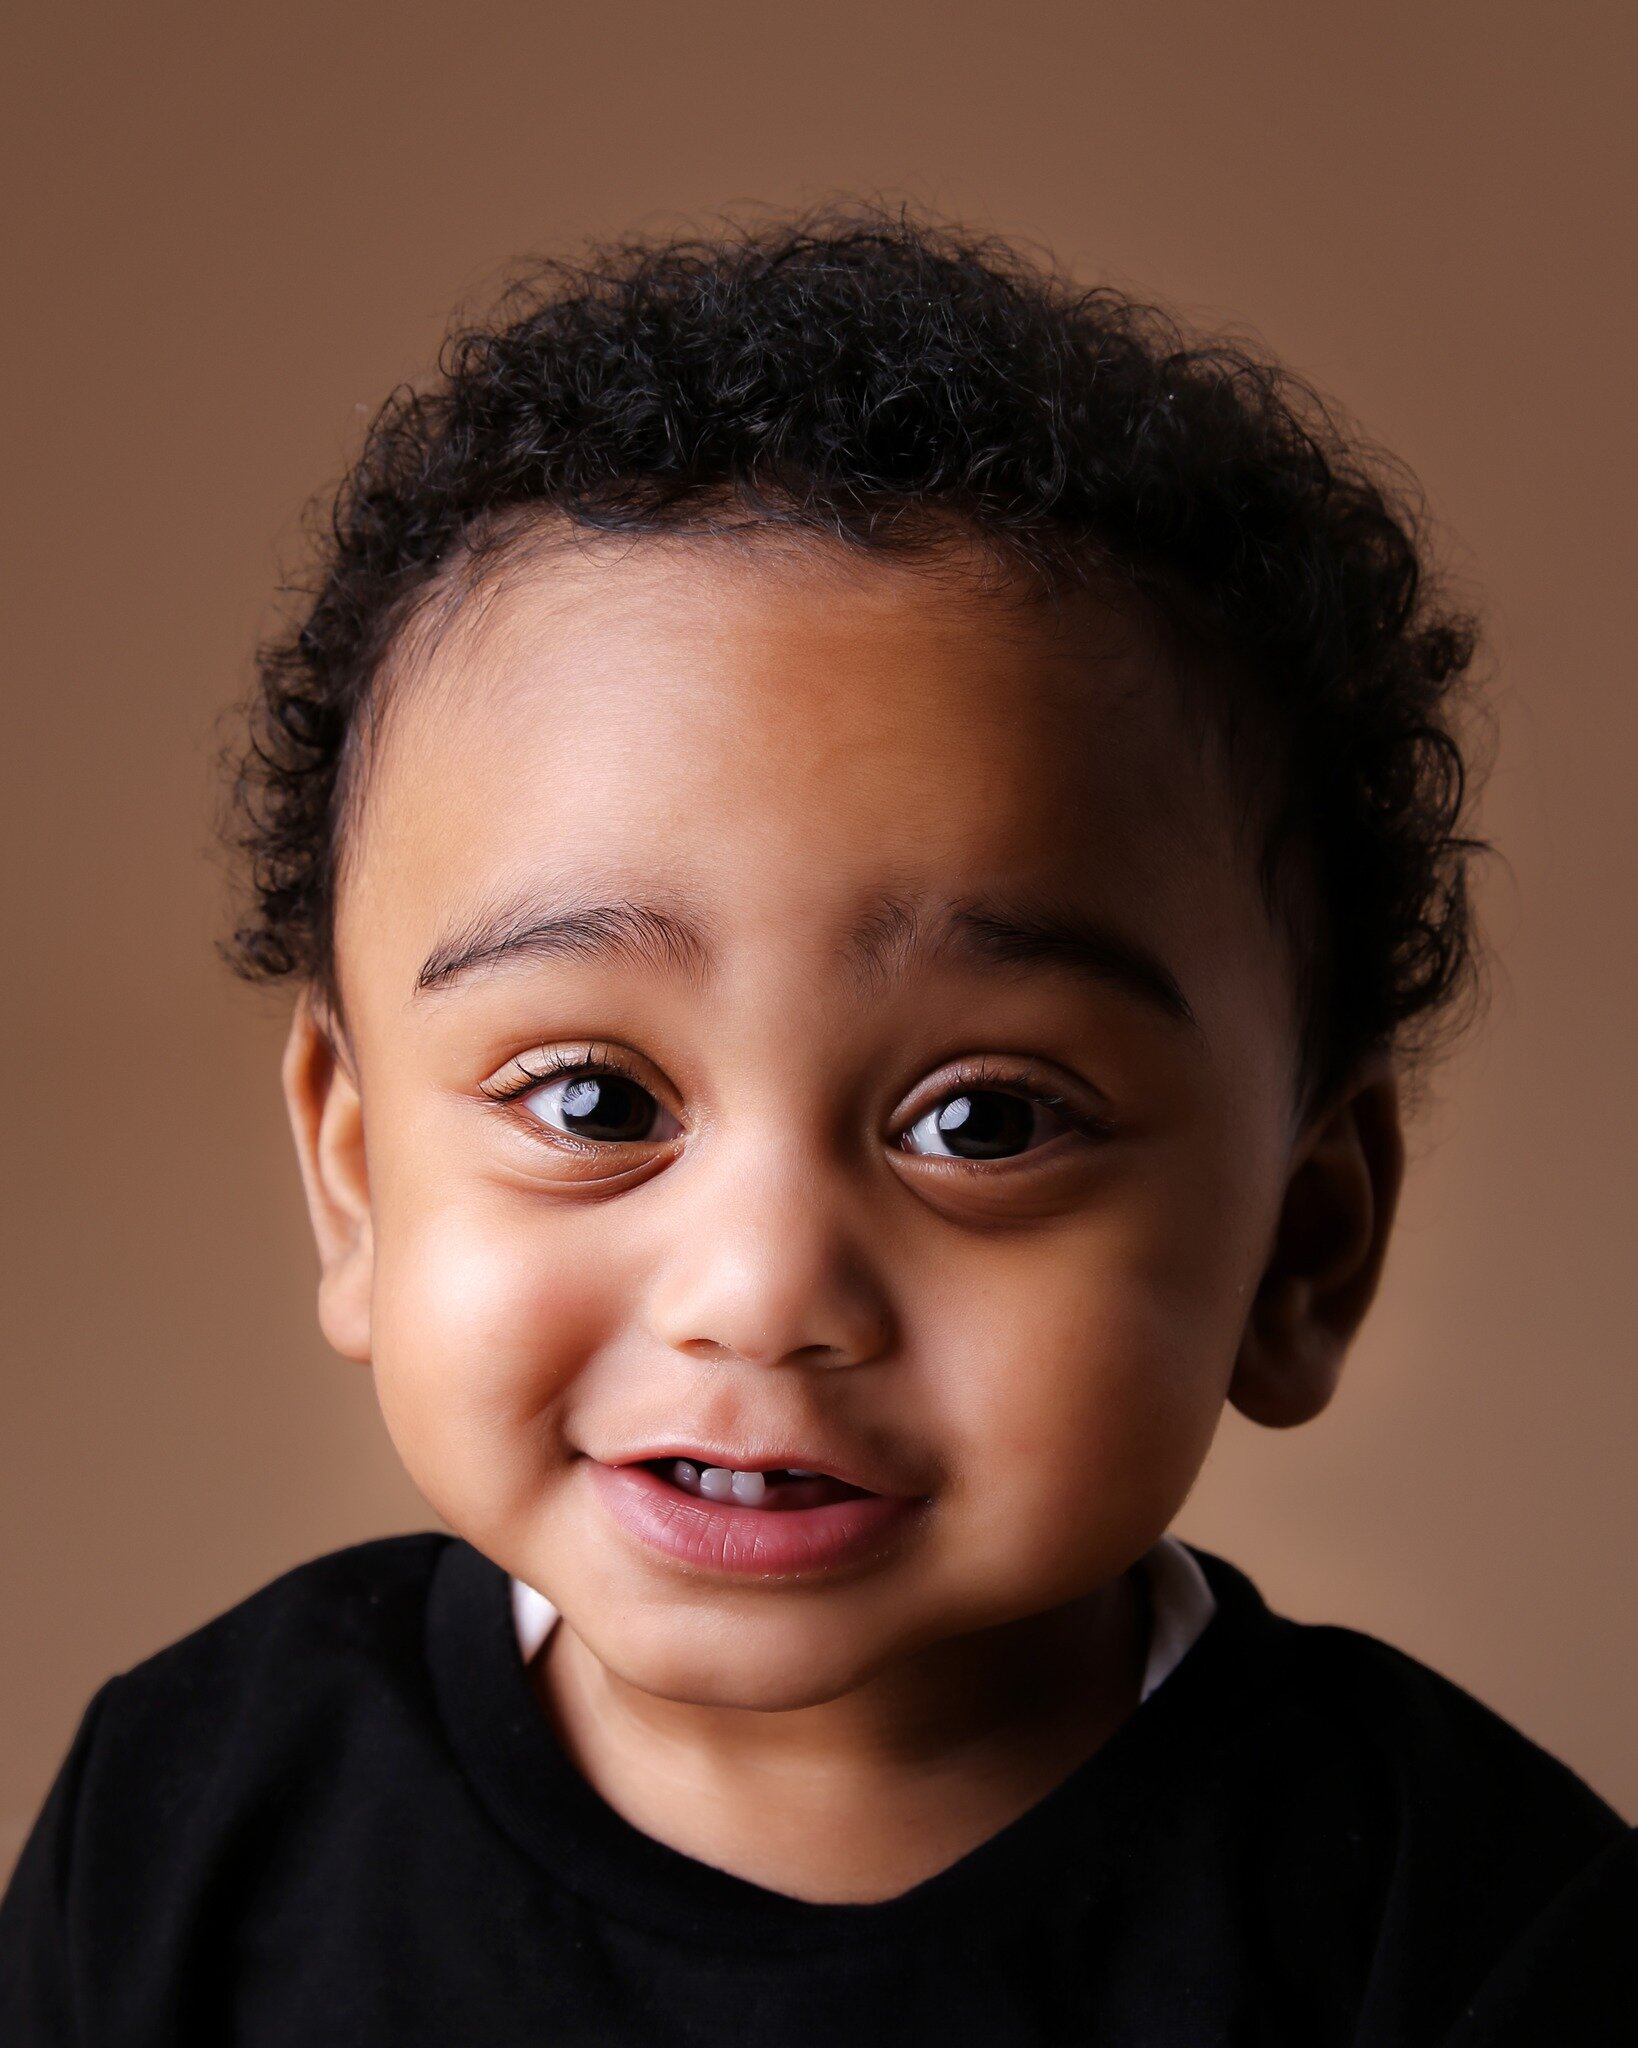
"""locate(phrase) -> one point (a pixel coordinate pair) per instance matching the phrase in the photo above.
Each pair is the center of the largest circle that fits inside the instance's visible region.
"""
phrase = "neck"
(860, 1797)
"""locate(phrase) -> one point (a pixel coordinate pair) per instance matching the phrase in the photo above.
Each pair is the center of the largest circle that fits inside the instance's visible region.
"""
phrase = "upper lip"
(749, 1458)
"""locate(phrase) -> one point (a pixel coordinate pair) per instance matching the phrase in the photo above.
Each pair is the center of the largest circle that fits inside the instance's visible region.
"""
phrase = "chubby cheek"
(1078, 1407)
(479, 1329)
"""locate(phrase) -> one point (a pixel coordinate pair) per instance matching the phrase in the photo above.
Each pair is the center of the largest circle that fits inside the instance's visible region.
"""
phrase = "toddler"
(863, 840)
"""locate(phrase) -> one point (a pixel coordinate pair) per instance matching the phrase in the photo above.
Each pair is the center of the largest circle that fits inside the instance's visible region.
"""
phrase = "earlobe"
(1327, 1255)
(327, 1121)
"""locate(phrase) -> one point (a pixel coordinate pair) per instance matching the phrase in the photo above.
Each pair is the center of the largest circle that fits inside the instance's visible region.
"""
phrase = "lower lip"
(746, 1542)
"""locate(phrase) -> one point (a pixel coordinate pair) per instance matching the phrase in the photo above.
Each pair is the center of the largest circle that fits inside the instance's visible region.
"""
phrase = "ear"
(327, 1119)
(1327, 1255)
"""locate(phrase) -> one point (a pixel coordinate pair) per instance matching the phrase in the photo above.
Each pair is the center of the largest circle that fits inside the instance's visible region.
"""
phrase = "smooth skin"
(797, 760)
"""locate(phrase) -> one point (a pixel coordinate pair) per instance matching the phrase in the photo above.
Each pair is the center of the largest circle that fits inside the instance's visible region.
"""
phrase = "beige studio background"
(231, 230)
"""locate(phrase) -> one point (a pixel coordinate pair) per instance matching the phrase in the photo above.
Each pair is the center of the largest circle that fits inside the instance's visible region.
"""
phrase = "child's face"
(1023, 1322)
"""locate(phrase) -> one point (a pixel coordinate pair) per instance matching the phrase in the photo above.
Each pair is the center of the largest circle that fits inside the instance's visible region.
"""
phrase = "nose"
(770, 1268)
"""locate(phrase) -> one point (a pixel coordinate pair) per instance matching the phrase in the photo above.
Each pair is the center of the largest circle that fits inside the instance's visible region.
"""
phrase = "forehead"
(782, 738)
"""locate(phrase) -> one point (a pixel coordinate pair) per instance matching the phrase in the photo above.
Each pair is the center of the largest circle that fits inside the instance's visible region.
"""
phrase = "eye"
(596, 1106)
(986, 1123)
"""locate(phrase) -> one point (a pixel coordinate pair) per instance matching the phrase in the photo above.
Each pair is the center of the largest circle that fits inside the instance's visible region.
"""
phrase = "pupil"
(606, 1107)
(986, 1124)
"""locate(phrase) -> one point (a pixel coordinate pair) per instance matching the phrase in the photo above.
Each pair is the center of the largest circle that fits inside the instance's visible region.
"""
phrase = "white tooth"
(685, 1474)
(717, 1483)
(749, 1487)
(797, 1472)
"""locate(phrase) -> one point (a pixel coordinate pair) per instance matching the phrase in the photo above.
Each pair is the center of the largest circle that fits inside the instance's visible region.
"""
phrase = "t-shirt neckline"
(1050, 1860)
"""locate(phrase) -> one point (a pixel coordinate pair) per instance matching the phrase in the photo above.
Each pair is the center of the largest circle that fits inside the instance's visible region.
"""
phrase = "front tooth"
(717, 1483)
(749, 1487)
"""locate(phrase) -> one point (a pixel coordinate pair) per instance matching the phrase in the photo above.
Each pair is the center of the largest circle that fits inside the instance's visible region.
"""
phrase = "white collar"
(1179, 1597)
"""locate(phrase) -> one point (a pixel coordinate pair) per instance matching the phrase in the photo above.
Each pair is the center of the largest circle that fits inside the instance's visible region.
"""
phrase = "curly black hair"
(885, 381)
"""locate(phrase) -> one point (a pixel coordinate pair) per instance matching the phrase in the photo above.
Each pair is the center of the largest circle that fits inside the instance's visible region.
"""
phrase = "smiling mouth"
(766, 1522)
(784, 1489)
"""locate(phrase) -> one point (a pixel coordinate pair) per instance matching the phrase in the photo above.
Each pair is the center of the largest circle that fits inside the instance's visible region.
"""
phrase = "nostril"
(820, 1354)
(710, 1352)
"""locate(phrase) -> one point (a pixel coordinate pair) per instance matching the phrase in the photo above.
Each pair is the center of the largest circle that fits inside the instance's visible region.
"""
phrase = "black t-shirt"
(338, 1815)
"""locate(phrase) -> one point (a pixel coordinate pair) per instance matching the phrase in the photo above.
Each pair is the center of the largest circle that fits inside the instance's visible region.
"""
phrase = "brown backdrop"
(235, 228)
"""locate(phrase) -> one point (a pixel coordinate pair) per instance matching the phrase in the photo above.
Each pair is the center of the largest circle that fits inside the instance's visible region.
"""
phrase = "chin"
(769, 1677)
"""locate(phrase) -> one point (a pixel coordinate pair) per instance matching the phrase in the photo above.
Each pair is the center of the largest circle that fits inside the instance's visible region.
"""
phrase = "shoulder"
(335, 1641)
(1483, 1813)
(1423, 1731)
(1502, 1872)
(1442, 1742)
(307, 1698)
(347, 1603)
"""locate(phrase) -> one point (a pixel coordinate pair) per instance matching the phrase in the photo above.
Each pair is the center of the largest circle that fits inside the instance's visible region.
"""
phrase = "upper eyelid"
(982, 1072)
(905, 1124)
(552, 1068)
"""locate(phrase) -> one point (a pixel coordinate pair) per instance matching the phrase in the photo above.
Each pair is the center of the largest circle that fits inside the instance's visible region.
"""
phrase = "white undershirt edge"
(1181, 1601)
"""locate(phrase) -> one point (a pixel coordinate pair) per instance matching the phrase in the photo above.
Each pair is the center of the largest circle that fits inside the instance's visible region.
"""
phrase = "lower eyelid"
(611, 1157)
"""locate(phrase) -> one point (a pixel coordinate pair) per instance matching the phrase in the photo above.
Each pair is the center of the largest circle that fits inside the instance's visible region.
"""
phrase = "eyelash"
(553, 1066)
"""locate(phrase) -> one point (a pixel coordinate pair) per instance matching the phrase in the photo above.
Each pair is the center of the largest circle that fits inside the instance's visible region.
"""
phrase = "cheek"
(1079, 1396)
(479, 1327)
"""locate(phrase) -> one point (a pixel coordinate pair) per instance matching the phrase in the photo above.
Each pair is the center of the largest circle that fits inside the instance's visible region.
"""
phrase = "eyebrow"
(645, 936)
(881, 949)
(1018, 935)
